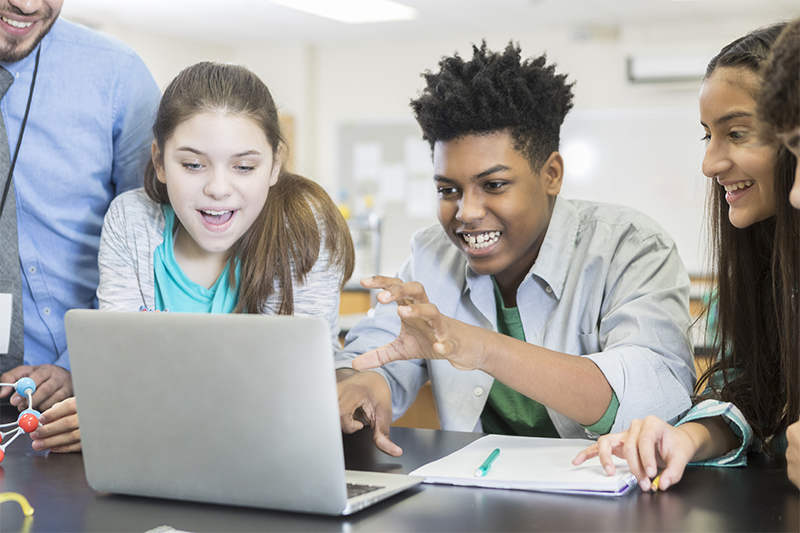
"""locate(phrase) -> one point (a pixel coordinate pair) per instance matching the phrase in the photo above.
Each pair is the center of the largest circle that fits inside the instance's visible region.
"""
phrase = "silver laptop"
(229, 409)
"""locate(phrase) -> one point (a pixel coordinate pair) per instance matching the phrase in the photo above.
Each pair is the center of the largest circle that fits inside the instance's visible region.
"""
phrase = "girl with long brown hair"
(219, 226)
(753, 387)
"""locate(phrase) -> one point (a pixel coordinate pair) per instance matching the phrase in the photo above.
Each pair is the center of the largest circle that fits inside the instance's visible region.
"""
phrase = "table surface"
(756, 498)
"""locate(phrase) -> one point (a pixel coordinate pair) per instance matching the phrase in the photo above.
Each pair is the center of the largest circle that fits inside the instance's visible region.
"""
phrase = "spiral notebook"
(529, 463)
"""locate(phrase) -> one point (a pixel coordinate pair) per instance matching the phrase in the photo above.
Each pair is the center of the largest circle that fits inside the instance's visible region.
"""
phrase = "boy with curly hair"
(530, 314)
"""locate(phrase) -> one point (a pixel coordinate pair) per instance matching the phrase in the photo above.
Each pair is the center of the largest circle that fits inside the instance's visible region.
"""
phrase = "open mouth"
(476, 241)
(216, 217)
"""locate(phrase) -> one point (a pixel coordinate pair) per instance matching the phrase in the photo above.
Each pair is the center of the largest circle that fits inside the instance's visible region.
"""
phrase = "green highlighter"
(487, 464)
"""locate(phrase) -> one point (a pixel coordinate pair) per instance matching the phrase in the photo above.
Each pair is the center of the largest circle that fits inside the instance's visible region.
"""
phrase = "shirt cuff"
(603, 426)
(735, 420)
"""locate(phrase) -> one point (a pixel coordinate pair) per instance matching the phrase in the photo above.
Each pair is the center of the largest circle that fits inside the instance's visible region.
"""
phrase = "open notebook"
(529, 463)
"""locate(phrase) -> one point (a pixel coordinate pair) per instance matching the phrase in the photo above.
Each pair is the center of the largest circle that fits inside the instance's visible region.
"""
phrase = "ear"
(552, 172)
(277, 161)
(158, 162)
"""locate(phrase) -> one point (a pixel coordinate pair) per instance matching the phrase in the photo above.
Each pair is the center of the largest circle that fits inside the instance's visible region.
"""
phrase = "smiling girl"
(219, 226)
(753, 391)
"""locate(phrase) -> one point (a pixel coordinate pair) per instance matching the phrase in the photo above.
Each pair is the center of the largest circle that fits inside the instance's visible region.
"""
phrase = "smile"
(16, 23)
(481, 240)
(739, 185)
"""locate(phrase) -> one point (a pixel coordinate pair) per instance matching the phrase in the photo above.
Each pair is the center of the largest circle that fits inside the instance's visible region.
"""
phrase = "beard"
(13, 49)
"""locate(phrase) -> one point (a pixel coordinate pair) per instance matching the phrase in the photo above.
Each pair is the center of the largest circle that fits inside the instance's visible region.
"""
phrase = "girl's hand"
(647, 445)
(425, 333)
(793, 453)
(58, 429)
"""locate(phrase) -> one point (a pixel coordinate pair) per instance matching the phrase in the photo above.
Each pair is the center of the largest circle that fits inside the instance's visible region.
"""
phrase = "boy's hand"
(58, 430)
(366, 399)
(647, 445)
(425, 333)
(53, 384)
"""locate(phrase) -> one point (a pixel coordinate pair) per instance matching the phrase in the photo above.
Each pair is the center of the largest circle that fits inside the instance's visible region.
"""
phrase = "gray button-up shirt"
(608, 284)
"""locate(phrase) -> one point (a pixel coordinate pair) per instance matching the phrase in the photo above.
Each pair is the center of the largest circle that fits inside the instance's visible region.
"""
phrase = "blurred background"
(343, 90)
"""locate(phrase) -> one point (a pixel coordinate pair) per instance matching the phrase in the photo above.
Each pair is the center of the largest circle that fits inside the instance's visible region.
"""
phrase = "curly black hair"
(494, 92)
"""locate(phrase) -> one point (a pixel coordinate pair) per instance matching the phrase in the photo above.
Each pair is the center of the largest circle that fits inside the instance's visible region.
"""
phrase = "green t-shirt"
(509, 412)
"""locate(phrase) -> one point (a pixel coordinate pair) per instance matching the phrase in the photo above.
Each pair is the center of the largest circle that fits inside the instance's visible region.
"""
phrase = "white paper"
(367, 161)
(529, 463)
(6, 303)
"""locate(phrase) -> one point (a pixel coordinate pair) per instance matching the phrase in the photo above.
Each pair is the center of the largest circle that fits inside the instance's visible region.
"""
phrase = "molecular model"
(28, 419)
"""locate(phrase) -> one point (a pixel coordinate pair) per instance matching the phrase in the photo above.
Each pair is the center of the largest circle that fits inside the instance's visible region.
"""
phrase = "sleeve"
(404, 377)
(643, 330)
(120, 288)
(735, 420)
(135, 102)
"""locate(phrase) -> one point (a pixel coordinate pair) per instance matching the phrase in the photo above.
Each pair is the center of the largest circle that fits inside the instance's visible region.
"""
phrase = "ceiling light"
(353, 11)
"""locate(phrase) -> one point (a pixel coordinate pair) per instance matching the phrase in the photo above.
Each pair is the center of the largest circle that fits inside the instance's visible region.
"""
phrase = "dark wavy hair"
(285, 237)
(757, 364)
(496, 91)
(779, 100)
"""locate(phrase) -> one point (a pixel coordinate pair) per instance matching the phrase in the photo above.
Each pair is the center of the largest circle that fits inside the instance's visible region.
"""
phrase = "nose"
(27, 6)
(716, 159)
(471, 208)
(218, 185)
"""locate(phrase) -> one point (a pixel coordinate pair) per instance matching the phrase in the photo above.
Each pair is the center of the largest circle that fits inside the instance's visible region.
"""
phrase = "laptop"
(227, 409)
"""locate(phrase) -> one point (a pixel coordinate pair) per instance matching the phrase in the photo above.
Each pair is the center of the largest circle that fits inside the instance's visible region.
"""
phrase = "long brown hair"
(283, 243)
(756, 343)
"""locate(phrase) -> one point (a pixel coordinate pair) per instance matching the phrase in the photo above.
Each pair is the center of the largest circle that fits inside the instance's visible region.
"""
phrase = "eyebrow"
(727, 118)
(481, 175)
(198, 152)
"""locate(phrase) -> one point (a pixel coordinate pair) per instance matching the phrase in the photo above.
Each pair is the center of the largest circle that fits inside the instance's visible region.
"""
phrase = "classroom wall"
(326, 86)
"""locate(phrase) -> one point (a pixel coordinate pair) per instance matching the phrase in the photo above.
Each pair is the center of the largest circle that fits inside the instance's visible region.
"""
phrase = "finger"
(605, 451)
(380, 282)
(12, 376)
(672, 473)
(651, 432)
(62, 425)
(380, 434)
(65, 441)
(55, 386)
(60, 410)
(375, 358)
(583, 455)
(630, 450)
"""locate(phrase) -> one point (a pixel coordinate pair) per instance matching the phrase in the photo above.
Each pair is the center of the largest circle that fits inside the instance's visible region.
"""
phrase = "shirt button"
(32, 270)
(478, 391)
(548, 290)
(46, 310)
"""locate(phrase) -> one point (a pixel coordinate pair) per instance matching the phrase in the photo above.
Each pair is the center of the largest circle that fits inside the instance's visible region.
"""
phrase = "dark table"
(756, 498)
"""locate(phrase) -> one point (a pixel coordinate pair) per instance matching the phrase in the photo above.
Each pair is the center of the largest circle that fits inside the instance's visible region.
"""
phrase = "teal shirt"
(175, 292)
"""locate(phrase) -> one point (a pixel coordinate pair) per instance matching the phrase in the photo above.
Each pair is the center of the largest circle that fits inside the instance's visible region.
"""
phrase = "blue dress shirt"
(86, 141)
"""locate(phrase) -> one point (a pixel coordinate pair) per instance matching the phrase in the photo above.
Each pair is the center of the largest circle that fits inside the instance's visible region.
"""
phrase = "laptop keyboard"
(354, 489)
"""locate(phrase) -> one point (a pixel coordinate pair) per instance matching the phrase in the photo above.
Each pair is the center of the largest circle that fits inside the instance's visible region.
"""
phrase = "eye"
(738, 135)
(446, 191)
(495, 186)
(192, 166)
(244, 169)
(706, 137)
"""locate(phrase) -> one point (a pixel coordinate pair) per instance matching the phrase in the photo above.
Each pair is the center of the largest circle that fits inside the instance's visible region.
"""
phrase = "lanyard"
(21, 133)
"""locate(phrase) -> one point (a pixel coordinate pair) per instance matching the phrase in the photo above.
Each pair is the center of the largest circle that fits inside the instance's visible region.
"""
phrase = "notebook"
(227, 409)
(529, 463)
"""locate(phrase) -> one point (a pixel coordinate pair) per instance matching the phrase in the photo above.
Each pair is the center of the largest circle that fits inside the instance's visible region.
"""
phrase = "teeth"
(214, 213)
(739, 185)
(481, 240)
(16, 23)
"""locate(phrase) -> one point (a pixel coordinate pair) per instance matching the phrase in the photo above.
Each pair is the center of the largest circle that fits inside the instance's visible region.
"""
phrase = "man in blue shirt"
(86, 140)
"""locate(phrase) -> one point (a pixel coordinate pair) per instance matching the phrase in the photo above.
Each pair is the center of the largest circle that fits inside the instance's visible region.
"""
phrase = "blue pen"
(487, 464)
